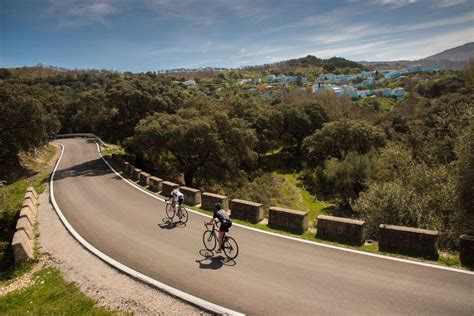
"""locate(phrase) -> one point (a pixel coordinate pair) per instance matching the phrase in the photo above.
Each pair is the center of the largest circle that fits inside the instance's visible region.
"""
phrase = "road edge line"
(315, 243)
(206, 305)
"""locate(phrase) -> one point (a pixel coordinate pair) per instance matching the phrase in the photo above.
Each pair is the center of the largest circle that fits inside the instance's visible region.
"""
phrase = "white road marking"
(206, 305)
(429, 265)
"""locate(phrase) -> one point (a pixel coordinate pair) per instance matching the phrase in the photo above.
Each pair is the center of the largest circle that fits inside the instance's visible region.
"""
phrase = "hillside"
(460, 53)
(453, 58)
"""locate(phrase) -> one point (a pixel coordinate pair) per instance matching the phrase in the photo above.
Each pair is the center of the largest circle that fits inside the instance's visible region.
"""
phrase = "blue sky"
(149, 35)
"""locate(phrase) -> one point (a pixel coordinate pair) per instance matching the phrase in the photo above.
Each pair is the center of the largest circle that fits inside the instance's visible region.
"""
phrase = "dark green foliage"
(301, 119)
(337, 138)
(25, 124)
(341, 180)
(404, 192)
(432, 136)
(465, 178)
(204, 146)
(265, 119)
(449, 83)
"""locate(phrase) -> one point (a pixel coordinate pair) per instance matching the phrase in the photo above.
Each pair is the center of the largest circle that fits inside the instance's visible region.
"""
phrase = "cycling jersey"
(222, 216)
(224, 219)
(177, 196)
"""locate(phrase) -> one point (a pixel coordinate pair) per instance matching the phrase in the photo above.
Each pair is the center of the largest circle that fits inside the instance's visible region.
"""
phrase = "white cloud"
(450, 3)
(396, 3)
(79, 13)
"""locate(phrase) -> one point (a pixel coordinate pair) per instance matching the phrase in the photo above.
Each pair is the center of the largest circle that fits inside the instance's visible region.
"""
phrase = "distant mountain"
(460, 53)
(453, 58)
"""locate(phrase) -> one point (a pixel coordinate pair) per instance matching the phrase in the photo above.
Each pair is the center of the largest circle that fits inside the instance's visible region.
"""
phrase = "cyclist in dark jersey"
(224, 219)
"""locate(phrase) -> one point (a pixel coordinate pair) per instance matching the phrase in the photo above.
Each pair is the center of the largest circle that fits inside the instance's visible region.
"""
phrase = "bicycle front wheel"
(183, 215)
(169, 211)
(209, 240)
(231, 249)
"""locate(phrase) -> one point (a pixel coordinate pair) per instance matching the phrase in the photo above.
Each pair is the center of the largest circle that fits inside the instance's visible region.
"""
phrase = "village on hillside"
(355, 86)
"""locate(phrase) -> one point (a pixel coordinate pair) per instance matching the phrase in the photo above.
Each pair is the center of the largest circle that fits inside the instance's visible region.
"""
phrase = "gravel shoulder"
(97, 279)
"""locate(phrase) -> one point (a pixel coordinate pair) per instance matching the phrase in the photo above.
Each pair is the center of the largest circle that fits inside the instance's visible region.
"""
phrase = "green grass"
(49, 294)
(444, 259)
(294, 196)
(112, 149)
(34, 174)
(385, 104)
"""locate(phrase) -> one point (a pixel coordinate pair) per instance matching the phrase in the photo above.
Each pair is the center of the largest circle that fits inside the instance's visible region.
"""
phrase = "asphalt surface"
(271, 275)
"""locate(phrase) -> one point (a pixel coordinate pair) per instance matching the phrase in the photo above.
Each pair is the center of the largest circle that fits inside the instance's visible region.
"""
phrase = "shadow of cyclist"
(209, 261)
(169, 224)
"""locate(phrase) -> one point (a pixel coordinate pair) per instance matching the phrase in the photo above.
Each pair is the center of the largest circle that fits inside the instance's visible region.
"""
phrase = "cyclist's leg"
(221, 237)
(180, 213)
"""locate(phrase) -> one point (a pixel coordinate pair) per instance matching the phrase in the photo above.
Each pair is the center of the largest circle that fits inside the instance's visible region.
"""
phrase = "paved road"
(272, 275)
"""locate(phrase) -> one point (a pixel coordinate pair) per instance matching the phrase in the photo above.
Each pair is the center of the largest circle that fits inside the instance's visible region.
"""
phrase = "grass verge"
(448, 259)
(34, 173)
(294, 196)
(49, 294)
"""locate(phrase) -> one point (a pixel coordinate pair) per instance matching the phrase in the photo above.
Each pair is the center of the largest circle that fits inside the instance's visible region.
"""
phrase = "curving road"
(272, 275)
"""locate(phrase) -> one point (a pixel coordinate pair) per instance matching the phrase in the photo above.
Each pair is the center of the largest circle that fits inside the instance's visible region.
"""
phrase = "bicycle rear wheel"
(169, 211)
(183, 216)
(231, 248)
(209, 240)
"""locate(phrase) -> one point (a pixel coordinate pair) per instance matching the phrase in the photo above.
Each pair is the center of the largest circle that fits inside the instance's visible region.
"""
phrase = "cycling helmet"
(217, 206)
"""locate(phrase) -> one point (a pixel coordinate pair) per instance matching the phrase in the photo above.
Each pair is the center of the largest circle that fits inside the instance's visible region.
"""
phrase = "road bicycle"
(173, 208)
(210, 240)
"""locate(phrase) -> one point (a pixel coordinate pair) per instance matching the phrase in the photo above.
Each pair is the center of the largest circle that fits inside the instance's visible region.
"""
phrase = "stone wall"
(126, 166)
(466, 250)
(23, 239)
(191, 196)
(246, 210)
(130, 169)
(167, 188)
(155, 184)
(339, 229)
(287, 219)
(136, 174)
(144, 178)
(209, 199)
(408, 240)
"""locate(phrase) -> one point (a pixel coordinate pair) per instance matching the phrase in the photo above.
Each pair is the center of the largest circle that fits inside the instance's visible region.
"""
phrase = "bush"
(341, 180)
(403, 192)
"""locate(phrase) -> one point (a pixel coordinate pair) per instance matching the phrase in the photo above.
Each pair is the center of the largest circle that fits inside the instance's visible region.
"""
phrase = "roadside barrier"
(144, 178)
(408, 240)
(155, 184)
(466, 250)
(136, 174)
(191, 196)
(246, 210)
(339, 229)
(30, 205)
(287, 219)
(209, 199)
(23, 239)
(167, 187)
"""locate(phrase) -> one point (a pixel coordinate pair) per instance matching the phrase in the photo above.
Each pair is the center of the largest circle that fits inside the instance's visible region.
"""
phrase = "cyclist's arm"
(213, 219)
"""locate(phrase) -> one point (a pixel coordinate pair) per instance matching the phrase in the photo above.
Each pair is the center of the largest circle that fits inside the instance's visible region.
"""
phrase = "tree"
(301, 119)
(465, 178)
(341, 180)
(263, 118)
(24, 125)
(337, 138)
(402, 191)
(208, 148)
(469, 73)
